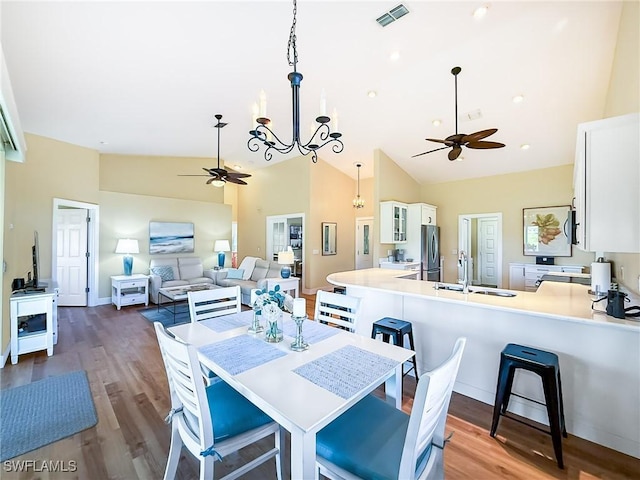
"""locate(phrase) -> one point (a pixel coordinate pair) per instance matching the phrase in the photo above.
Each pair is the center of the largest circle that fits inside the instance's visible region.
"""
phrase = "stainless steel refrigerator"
(430, 253)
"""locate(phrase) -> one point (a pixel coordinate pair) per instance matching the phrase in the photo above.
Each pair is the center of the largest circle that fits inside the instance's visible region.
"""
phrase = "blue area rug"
(165, 317)
(43, 412)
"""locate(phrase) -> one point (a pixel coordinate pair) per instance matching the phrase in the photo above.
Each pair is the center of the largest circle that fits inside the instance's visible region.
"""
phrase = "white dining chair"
(337, 309)
(213, 421)
(215, 302)
(375, 440)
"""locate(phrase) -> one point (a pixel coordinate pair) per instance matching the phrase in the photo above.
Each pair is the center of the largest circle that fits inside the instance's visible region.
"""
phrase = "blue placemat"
(312, 331)
(346, 371)
(242, 353)
(228, 322)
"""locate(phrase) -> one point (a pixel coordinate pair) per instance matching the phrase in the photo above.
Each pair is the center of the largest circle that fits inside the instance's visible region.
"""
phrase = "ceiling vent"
(392, 15)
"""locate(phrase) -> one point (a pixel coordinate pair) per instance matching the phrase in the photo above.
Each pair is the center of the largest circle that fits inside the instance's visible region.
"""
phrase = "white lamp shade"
(285, 258)
(127, 246)
(222, 246)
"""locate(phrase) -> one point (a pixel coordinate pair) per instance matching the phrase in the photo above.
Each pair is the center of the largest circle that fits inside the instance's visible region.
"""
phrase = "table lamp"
(221, 246)
(127, 246)
(286, 259)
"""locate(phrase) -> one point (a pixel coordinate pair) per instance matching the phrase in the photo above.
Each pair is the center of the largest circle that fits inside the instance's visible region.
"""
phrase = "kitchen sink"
(495, 293)
(447, 286)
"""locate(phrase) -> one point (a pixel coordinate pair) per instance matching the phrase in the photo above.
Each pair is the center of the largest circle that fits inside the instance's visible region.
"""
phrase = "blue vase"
(221, 259)
(285, 272)
(127, 261)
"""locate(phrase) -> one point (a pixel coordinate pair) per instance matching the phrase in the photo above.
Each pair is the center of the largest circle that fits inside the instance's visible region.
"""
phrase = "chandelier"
(322, 135)
(358, 202)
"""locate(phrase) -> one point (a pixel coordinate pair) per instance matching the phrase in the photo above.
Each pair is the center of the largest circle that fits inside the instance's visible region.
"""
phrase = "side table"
(129, 290)
(286, 284)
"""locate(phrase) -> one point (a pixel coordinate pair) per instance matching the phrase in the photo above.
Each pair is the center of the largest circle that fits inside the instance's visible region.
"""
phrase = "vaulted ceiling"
(146, 78)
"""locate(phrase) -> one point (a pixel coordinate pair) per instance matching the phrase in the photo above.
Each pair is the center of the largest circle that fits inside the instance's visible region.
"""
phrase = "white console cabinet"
(393, 222)
(525, 276)
(607, 197)
(129, 290)
(33, 322)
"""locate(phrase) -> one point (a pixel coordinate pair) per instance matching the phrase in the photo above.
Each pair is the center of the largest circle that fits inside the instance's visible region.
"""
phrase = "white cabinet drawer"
(133, 284)
(132, 299)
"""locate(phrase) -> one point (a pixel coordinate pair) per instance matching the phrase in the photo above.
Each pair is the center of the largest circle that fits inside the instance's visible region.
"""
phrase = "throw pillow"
(164, 271)
(235, 273)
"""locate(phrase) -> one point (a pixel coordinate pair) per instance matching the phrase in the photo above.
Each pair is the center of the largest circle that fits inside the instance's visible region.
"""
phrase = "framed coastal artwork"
(170, 237)
(545, 231)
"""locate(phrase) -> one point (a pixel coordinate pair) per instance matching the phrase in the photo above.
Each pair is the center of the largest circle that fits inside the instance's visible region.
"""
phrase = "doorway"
(480, 237)
(364, 234)
(71, 274)
(287, 231)
(92, 223)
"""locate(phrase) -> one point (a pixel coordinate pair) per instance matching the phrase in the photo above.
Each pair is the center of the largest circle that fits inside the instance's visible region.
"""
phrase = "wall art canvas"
(170, 237)
(545, 231)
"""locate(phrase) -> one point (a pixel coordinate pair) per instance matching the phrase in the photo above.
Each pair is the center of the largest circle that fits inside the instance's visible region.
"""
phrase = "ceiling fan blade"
(483, 144)
(438, 140)
(454, 153)
(236, 180)
(424, 153)
(199, 175)
(474, 137)
(237, 175)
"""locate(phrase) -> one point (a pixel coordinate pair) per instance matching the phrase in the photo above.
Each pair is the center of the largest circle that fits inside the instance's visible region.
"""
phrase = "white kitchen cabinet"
(428, 214)
(393, 222)
(526, 276)
(607, 196)
(418, 214)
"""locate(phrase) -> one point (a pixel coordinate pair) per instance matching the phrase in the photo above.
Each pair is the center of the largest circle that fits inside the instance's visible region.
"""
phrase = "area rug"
(43, 412)
(165, 317)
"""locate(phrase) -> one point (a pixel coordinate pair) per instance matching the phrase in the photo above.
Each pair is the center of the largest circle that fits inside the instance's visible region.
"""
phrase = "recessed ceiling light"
(394, 56)
(518, 99)
(102, 142)
(436, 123)
(372, 94)
(525, 146)
(237, 167)
(480, 11)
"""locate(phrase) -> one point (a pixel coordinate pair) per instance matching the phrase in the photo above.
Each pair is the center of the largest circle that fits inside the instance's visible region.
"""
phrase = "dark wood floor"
(119, 351)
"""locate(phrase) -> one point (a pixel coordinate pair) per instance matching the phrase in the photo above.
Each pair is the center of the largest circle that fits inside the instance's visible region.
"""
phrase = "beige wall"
(391, 183)
(507, 194)
(124, 215)
(158, 176)
(52, 169)
(320, 192)
(624, 97)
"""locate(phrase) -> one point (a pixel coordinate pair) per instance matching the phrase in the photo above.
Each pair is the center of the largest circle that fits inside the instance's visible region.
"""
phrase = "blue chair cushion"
(231, 413)
(367, 440)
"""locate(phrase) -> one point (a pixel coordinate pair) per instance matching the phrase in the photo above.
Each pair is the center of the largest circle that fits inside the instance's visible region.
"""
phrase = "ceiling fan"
(220, 176)
(459, 140)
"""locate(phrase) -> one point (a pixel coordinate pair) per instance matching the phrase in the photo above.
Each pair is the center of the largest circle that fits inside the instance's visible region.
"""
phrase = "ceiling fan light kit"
(459, 140)
(263, 135)
(220, 176)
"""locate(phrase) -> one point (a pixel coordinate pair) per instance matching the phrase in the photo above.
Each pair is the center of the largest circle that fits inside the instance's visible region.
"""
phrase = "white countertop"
(565, 301)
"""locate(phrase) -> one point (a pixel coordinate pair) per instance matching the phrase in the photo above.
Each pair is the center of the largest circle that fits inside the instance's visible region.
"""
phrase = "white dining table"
(301, 404)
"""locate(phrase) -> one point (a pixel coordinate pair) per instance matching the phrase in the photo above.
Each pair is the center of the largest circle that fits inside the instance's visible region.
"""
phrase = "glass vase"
(273, 330)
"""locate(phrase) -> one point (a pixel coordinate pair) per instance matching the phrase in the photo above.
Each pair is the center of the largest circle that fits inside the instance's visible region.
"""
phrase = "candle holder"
(256, 327)
(299, 345)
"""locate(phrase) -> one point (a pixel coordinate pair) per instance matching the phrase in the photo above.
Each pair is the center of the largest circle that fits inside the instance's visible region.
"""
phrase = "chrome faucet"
(463, 262)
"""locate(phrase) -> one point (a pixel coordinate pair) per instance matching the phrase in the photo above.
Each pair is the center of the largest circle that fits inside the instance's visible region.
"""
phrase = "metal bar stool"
(392, 327)
(546, 365)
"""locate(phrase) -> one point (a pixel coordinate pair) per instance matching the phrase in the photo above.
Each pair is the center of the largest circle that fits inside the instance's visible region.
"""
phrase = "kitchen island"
(599, 355)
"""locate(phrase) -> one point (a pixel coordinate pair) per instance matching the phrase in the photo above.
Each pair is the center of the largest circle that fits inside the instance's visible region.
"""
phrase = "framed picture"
(545, 231)
(169, 237)
(329, 238)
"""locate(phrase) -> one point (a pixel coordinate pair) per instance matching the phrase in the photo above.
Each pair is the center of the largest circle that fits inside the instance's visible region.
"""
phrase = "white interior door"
(487, 251)
(72, 257)
(276, 236)
(364, 250)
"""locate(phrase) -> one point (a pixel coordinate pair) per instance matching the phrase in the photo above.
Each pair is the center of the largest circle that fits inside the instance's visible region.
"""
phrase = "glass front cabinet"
(393, 222)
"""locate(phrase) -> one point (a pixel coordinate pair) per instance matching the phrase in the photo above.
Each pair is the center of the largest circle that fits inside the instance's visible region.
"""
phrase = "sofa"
(176, 272)
(253, 272)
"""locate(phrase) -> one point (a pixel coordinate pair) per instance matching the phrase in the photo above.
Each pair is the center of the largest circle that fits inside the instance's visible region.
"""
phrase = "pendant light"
(358, 202)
